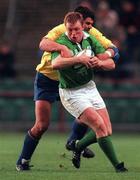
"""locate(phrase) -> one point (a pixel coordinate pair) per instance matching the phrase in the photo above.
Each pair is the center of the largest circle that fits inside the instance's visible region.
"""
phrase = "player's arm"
(59, 62)
(111, 50)
(106, 43)
(110, 53)
(48, 42)
(51, 46)
(107, 64)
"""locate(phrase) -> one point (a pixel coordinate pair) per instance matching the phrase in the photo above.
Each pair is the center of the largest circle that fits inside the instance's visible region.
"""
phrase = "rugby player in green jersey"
(78, 92)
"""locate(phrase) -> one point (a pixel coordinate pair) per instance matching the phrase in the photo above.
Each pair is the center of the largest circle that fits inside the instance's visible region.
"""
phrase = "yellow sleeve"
(99, 36)
(56, 32)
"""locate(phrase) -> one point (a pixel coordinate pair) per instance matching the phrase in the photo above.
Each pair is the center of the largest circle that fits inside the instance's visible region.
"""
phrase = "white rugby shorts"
(76, 100)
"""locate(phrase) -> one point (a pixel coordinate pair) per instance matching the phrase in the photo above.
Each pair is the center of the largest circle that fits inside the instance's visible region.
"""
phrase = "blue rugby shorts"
(45, 88)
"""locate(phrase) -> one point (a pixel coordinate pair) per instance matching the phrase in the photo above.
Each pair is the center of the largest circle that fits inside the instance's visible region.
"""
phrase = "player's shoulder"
(95, 32)
(63, 37)
(60, 26)
(92, 38)
(54, 33)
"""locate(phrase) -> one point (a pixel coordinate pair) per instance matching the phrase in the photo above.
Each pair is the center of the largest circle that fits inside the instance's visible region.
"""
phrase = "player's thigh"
(105, 116)
(74, 101)
(45, 88)
(42, 111)
(92, 119)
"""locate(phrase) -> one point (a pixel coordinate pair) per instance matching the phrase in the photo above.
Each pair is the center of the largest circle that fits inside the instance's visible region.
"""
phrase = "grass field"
(52, 162)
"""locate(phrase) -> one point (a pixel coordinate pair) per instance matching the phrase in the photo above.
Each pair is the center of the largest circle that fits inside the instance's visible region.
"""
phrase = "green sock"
(88, 139)
(107, 147)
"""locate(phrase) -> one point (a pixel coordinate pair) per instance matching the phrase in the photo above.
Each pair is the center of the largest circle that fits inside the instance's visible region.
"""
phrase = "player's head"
(74, 26)
(88, 17)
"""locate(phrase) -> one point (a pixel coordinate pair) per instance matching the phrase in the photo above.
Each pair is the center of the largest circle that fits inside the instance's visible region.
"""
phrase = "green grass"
(52, 162)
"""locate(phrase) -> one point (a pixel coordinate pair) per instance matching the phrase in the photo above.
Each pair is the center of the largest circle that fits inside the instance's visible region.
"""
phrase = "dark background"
(24, 23)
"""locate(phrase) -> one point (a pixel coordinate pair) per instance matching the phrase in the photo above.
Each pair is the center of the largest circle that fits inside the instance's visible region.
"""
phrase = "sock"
(107, 147)
(88, 139)
(29, 146)
(78, 131)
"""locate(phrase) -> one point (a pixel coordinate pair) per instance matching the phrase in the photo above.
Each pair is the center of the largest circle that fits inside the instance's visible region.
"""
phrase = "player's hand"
(95, 62)
(84, 59)
(65, 52)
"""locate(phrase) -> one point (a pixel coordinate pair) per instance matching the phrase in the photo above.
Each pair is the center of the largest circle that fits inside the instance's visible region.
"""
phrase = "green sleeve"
(64, 41)
(98, 48)
(56, 53)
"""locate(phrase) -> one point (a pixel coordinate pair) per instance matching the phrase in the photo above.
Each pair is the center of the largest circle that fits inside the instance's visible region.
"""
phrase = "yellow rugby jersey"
(56, 32)
(60, 29)
(45, 66)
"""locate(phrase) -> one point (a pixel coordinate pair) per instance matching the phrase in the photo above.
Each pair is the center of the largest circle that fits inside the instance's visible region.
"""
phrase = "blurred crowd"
(119, 21)
(7, 61)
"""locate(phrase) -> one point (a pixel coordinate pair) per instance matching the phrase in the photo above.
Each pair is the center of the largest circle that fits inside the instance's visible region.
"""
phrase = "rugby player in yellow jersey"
(46, 89)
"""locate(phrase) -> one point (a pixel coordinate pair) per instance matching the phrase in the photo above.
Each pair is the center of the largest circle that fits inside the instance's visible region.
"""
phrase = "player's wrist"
(110, 53)
(100, 64)
(77, 59)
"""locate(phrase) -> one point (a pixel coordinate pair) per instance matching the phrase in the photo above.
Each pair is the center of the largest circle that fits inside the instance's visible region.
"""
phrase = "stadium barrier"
(17, 111)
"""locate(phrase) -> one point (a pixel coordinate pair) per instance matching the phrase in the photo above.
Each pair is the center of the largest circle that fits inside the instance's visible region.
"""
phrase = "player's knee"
(42, 127)
(101, 130)
(110, 131)
(39, 129)
(101, 133)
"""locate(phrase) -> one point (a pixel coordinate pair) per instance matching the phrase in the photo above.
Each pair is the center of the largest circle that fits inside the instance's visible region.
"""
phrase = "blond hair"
(73, 17)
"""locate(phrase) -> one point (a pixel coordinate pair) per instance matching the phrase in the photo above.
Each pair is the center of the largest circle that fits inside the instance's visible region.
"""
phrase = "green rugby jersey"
(77, 75)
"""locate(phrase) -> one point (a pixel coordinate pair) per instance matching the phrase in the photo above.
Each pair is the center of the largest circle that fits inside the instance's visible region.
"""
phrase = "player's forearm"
(116, 53)
(61, 62)
(111, 52)
(49, 45)
(107, 64)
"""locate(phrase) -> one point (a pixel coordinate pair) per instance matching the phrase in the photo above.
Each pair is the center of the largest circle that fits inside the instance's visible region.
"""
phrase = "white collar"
(86, 35)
